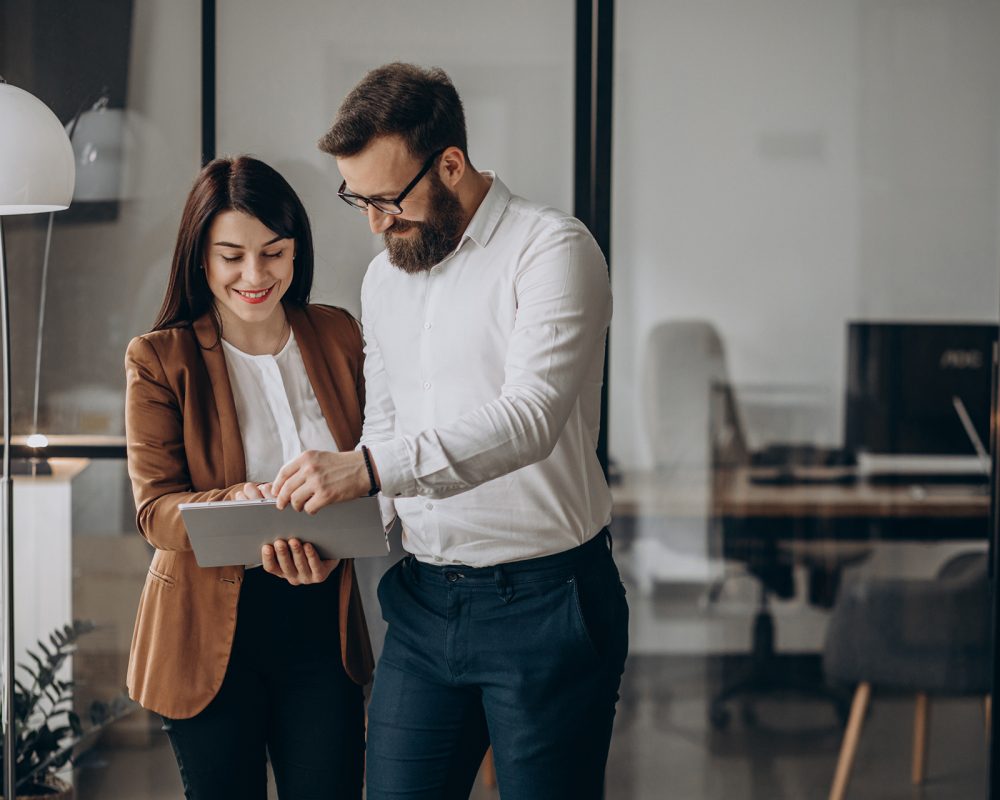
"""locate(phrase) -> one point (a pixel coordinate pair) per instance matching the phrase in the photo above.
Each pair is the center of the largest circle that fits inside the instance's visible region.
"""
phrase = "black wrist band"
(371, 473)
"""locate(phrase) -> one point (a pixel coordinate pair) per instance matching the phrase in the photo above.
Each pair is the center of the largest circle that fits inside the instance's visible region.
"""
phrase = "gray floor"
(664, 748)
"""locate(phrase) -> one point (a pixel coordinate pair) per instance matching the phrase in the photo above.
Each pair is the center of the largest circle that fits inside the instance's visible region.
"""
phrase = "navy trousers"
(526, 656)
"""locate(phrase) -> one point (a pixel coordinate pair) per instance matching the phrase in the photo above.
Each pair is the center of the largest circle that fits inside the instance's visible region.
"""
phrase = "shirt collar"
(484, 222)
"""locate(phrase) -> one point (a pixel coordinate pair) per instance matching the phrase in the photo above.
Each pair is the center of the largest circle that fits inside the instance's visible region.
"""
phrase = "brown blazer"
(184, 446)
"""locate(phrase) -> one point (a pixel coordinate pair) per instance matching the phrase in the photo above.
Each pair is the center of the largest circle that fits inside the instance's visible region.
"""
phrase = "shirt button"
(427, 326)
(429, 506)
(427, 385)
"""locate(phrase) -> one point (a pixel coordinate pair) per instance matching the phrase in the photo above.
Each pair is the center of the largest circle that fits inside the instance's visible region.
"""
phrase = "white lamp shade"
(36, 159)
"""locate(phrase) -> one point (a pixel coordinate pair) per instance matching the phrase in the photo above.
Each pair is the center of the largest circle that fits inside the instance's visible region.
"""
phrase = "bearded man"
(485, 320)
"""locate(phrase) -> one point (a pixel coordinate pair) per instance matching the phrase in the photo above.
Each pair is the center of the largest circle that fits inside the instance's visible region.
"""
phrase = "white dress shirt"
(279, 415)
(483, 379)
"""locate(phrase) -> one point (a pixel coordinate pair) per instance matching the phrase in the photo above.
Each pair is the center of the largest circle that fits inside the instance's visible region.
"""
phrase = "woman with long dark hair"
(239, 375)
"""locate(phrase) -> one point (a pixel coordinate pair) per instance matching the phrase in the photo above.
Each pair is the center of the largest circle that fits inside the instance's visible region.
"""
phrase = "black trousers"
(285, 695)
(527, 656)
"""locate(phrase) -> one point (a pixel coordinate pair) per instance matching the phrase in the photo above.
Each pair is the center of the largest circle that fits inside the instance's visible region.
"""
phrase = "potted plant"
(49, 732)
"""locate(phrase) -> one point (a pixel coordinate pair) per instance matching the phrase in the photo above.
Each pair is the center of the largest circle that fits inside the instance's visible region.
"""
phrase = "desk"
(71, 446)
(770, 527)
(857, 511)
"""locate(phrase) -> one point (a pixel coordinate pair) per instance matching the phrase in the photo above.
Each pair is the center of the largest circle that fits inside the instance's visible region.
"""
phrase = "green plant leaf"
(29, 670)
(47, 725)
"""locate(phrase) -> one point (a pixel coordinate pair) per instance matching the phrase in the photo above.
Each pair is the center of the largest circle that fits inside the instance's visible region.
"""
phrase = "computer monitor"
(907, 384)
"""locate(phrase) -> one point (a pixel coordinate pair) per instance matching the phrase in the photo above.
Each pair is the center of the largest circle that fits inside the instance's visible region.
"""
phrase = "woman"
(239, 375)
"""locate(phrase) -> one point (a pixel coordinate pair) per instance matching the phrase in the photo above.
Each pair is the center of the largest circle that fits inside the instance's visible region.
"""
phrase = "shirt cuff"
(387, 507)
(395, 473)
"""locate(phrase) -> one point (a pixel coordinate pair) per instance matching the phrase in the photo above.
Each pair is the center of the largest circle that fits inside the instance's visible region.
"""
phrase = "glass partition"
(805, 266)
(124, 76)
(806, 228)
(516, 85)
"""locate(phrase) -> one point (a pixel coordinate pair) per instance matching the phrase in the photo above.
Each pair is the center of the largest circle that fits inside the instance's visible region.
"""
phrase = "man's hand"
(297, 563)
(318, 478)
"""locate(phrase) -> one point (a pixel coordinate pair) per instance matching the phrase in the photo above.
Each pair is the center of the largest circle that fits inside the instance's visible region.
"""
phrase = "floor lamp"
(37, 173)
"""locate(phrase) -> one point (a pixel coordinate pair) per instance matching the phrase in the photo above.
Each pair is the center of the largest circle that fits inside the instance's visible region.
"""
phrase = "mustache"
(403, 225)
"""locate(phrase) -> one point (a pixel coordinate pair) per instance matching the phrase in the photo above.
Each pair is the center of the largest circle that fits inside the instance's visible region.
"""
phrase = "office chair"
(921, 636)
(682, 360)
(772, 564)
(696, 438)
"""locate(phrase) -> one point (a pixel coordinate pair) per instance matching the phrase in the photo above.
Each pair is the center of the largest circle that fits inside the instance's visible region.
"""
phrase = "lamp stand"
(7, 547)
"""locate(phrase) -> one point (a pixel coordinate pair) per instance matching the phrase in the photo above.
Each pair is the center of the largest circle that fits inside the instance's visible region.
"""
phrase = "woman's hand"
(296, 562)
(254, 491)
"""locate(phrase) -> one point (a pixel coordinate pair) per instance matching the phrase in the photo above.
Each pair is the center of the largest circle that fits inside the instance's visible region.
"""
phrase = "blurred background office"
(804, 216)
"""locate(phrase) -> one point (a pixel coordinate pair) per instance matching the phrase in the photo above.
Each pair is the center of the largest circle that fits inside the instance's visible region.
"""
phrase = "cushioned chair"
(922, 636)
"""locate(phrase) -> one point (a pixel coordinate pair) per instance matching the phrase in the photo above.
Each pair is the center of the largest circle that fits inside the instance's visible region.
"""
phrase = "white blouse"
(279, 415)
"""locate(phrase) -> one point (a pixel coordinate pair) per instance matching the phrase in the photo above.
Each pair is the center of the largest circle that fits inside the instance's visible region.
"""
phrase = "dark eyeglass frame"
(392, 207)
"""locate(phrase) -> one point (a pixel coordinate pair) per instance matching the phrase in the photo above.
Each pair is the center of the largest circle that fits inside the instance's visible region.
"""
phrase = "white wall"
(784, 166)
(283, 70)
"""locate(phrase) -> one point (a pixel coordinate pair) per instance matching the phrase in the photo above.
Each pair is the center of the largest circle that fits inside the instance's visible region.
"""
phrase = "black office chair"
(921, 636)
(772, 564)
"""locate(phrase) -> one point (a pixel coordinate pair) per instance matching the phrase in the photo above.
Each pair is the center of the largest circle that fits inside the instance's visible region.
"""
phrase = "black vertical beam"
(592, 150)
(994, 550)
(207, 81)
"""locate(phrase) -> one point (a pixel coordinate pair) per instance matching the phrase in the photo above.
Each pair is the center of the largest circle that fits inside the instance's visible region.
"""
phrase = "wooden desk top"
(735, 495)
(71, 446)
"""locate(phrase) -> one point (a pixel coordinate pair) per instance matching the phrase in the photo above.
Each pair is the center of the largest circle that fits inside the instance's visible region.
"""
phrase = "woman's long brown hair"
(242, 184)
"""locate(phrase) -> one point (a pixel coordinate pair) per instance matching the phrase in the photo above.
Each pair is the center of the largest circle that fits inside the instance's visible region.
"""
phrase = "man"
(485, 321)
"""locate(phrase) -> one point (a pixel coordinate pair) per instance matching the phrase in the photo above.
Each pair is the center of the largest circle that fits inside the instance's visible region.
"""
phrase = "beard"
(434, 238)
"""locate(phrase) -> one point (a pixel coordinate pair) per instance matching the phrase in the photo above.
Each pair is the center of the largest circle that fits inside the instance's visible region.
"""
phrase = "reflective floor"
(664, 746)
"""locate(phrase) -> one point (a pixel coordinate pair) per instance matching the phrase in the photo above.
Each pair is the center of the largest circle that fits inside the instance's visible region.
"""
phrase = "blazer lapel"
(230, 439)
(319, 376)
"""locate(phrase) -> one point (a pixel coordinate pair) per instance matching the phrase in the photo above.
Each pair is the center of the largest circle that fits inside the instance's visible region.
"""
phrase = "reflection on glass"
(125, 80)
(799, 394)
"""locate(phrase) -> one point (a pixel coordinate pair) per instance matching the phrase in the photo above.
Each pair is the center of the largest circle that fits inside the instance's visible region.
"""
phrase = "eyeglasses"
(391, 207)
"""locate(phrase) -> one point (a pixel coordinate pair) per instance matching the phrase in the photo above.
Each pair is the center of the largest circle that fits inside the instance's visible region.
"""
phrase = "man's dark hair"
(420, 105)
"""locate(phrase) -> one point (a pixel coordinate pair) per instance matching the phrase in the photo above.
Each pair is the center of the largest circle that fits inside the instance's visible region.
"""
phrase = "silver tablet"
(231, 532)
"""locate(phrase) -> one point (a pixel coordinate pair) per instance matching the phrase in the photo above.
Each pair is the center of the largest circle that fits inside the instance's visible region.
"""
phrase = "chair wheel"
(719, 716)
